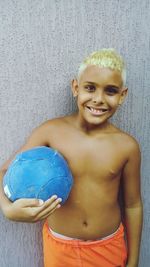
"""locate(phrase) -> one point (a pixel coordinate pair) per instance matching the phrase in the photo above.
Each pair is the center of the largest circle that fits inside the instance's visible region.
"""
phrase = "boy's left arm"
(133, 204)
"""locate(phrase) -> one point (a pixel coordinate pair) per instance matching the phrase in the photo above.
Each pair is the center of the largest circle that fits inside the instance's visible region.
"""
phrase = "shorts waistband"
(58, 235)
(119, 233)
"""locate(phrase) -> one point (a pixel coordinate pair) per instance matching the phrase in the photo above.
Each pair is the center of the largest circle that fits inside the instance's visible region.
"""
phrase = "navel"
(85, 223)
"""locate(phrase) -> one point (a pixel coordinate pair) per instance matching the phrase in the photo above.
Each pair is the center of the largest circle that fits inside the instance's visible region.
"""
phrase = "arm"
(133, 204)
(27, 210)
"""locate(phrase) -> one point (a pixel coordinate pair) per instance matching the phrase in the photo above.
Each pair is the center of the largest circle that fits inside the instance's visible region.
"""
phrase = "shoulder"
(126, 142)
(50, 127)
(130, 145)
(130, 141)
(50, 124)
(125, 138)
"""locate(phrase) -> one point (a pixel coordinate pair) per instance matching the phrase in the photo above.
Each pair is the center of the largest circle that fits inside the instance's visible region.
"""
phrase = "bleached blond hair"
(107, 58)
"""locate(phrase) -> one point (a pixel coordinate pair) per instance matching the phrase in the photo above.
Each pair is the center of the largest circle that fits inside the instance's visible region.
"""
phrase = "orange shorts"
(107, 252)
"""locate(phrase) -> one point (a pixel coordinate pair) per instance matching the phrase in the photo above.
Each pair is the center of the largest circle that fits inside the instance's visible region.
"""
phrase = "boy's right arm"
(28, 210)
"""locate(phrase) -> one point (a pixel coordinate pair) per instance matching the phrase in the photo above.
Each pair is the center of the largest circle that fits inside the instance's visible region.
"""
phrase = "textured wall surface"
(42, 43)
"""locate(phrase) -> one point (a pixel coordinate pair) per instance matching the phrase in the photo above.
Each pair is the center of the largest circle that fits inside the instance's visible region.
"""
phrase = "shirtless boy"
(87, 230)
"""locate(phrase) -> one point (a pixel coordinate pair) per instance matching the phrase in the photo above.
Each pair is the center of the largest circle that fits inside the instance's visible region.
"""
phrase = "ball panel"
(59, 186)
(38, 173)
(41, 152)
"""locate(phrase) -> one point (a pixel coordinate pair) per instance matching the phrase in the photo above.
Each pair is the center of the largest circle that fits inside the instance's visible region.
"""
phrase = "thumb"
(30, 202)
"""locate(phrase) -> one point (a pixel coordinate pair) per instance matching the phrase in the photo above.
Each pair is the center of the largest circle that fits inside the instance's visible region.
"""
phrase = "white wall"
(42, 43)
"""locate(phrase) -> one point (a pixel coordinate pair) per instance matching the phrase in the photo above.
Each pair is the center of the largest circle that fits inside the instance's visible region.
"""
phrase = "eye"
(90, 88)
(111, 90)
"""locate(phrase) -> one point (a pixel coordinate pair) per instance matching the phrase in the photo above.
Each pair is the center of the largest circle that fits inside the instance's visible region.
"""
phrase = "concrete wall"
(41, 44)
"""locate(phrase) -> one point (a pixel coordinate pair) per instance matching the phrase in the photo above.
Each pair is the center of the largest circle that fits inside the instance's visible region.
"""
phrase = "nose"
(98, 97)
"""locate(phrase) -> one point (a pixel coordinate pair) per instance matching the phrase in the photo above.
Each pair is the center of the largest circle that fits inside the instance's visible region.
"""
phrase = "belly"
(85, 224)
(92, 210)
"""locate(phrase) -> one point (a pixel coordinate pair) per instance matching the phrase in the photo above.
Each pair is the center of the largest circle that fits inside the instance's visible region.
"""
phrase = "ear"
(124, 93)
(74, 87)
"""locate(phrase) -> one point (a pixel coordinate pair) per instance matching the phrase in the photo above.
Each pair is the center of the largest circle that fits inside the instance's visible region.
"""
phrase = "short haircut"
(107, 58)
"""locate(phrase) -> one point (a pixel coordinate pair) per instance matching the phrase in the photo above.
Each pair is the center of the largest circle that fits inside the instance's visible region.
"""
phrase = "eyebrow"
(109, 85)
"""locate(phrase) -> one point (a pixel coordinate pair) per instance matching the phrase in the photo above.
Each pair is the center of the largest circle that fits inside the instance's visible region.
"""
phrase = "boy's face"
(99, 93)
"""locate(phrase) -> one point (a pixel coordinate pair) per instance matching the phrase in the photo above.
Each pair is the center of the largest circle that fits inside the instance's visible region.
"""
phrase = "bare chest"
(91, 157)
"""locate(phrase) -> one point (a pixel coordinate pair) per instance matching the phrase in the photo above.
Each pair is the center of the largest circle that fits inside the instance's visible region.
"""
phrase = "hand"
(31, 210)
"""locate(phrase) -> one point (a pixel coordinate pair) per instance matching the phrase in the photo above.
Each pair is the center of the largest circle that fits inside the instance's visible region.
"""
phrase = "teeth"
(97, 111)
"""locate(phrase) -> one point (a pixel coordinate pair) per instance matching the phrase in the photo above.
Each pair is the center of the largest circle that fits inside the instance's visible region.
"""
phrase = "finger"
(45, 214)
(33, 202)
(29, 202)
(50, 208)
(49, 202)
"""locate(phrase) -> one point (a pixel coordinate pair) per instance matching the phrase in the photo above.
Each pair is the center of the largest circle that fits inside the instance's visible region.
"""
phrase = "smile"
(97, 111)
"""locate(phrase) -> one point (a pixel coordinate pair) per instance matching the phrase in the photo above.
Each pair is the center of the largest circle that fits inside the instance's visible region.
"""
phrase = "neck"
(91, 128)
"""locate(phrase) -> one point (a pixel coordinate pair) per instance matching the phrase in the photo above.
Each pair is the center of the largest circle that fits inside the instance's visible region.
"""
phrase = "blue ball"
(38, 173)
